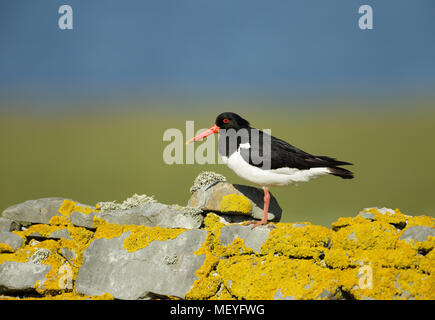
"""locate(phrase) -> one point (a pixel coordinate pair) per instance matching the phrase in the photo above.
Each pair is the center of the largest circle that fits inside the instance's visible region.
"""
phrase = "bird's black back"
(281, 155)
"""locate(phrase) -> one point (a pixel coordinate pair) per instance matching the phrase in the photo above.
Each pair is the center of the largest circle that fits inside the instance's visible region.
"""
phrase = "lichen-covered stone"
(134, 201)
(227, 198)
(362, 259)
(206, 179)
(252, 238)
(7, 225)
(9, 241)
(21, 277)
(109, 267)
(43, 210)
(417, 233)
(147, 213)
(155, 214)
(379, 254)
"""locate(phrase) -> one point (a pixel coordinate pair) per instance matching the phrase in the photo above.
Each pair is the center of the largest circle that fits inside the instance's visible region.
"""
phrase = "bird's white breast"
(273, 177)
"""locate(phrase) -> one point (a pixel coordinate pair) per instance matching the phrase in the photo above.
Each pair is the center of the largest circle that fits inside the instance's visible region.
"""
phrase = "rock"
(149, 214)
(80, 219)
(11, 239)
(352, 236)
(367, 215)
(299, 225)
(39, 255)
(57, 234)
(163, 268)
(206, 179)
(280, 296)
(21, 277)
(327, 295)
(134, 201)
(137, 256)
(252, 238)
(8, 225)
(417, 233)
(36, 211)
(227, 198)
(68, 254)
(60, 234)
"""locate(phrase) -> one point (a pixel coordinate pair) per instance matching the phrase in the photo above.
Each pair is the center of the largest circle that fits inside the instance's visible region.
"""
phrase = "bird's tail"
(340, 172)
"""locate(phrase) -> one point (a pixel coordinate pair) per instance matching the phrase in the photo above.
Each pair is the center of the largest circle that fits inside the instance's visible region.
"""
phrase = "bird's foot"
(255, 223)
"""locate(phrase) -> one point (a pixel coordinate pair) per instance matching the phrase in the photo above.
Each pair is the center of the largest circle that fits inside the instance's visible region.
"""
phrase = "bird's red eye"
(226, 120)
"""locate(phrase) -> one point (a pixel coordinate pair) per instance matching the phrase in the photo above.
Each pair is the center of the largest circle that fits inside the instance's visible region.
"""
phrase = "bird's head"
(230, 120)
(226, 120)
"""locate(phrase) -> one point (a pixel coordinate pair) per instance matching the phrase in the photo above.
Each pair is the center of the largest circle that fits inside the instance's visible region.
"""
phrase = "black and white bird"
(265, 160)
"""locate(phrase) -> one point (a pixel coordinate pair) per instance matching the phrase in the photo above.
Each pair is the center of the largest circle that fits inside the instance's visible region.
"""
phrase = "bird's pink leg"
(266, 209)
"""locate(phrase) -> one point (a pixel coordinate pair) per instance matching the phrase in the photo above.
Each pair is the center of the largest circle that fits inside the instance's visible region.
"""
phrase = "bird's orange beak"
(202, 135)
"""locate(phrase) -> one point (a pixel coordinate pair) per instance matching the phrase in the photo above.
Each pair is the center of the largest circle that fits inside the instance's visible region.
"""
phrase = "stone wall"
(57, 248)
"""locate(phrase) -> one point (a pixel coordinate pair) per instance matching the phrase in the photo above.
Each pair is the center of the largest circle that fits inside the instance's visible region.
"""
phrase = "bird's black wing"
(283, 154)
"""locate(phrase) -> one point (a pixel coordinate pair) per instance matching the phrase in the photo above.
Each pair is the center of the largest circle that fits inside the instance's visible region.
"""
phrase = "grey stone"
(57, 234)
(280, 296)
(149, 214)
(382, 210)
(109, 267)
(299, 225)
(385, 210)
(80, 219)
(68, 254)
(21, 277)
(252, 238)
(367, 215)
(209, 199)
(8, 225)
(11, 239)
(417, 233)
(352, 236)
(326, 294)
(36, 211)
(60, 234)
(35, 234)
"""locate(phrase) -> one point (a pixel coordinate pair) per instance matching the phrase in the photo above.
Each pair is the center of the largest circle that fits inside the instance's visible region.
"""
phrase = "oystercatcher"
(265, 160)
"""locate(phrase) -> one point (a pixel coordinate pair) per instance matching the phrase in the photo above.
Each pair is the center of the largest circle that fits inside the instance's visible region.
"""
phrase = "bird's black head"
(226, 121)
(230, 120)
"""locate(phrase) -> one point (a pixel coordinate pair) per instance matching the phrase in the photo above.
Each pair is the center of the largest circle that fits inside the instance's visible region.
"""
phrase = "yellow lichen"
(307, 241)
(235, 203)
(4, 248)
(365, 235)
(139, 237)
(59, 220)
(421, 221)
(66, 207)
(252, 277)
(207, 284)
(69, 206)
(359, 257)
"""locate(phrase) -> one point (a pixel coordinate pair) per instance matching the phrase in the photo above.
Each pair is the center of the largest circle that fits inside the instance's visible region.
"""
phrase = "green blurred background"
(83, 111)
(94, 157)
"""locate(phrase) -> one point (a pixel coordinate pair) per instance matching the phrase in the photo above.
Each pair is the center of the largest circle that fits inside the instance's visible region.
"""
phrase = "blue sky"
(276, 47)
